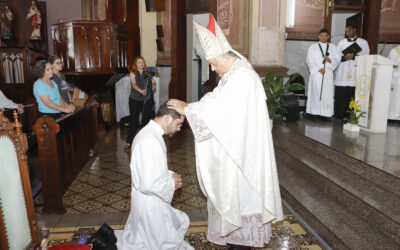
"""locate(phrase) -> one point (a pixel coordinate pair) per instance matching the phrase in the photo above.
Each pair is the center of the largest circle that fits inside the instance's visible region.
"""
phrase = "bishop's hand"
(178, 105)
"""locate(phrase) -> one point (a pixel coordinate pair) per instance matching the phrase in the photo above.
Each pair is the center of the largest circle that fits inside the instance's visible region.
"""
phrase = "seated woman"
(59, 78)
(46, 93)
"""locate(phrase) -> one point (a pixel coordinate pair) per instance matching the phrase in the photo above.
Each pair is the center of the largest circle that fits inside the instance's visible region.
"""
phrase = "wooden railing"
(64, 146)
(28, 118)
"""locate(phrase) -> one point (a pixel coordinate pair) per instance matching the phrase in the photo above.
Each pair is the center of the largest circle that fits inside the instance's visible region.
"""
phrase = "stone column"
(267, 36)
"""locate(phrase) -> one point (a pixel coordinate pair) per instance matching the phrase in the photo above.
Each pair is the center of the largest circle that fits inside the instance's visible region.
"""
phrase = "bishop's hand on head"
(178, 105)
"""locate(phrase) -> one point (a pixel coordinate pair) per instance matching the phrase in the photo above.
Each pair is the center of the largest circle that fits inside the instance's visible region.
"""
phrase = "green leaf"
(295, 86)
(294, 76)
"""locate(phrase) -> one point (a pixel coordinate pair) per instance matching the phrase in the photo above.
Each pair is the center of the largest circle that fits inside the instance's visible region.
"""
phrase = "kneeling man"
(153, 223)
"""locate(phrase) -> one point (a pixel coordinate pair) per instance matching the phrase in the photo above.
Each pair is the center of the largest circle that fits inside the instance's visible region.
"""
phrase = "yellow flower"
(354, 105)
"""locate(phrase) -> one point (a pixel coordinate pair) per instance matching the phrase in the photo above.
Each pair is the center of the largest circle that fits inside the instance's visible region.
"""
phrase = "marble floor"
(381, 150)
(101, 191)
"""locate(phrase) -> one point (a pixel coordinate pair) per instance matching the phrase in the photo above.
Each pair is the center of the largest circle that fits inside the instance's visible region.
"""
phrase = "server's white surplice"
(321, 102)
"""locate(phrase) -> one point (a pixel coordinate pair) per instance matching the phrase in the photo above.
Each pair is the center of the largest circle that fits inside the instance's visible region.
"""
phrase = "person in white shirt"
(6, 103)
(394, 104)
(153, 223)
(345, 74)
(235, 155)
(322, 60)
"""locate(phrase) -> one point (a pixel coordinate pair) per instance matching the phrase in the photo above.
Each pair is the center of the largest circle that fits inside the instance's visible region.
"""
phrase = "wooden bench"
(64, 146)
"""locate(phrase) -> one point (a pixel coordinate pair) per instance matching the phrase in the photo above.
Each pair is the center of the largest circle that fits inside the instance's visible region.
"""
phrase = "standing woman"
(59, 78)
(46, 93)
(140, 99)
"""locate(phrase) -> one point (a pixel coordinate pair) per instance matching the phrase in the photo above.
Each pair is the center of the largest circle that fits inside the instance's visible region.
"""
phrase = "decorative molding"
(233, 18)
(389, 38)
(388, 5)
(315, 4)
(302, 36)
(276, 70)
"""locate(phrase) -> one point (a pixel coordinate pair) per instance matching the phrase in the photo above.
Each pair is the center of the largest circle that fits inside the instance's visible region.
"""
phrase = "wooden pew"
(64, 146)
(28, 119)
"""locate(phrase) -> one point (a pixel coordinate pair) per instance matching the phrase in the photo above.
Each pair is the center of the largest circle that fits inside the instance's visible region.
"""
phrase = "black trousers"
(135, 109)
(343, 97)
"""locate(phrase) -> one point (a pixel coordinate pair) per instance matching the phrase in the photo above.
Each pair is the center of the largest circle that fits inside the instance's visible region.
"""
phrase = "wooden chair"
(18, 226)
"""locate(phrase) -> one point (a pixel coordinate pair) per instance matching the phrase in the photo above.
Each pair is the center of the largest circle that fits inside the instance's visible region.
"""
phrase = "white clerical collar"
(157, 127)
(323, 44)
(352, 39)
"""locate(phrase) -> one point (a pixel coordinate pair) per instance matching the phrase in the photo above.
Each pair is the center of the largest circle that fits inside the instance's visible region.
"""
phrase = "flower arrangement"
(354, 112)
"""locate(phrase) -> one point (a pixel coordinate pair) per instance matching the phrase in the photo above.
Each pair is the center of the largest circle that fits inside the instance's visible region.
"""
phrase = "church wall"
(194, 51)
(148, 34)
(389, 29)
(267, 32)
(295, 59)
(385, 48)
(59, 11)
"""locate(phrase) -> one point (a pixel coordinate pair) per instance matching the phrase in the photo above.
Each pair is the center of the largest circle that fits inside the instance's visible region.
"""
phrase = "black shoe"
(108, 233)
(324, 118)
(100, 243)
(311, 117)
(238, 247)
(103, 239)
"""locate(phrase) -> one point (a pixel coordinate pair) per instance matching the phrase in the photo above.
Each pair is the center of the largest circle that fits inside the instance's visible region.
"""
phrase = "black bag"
(293, 108)
(103, 239)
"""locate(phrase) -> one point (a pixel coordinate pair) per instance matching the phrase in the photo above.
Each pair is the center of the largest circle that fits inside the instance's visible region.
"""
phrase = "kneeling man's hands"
(178, 181)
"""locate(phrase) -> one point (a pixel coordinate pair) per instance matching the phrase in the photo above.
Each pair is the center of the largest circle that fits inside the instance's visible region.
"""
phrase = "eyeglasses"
(59, 63)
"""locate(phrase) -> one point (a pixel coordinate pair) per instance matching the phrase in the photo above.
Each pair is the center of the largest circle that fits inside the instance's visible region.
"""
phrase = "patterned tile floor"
(104, 183)
(101, 192)
(285, 235)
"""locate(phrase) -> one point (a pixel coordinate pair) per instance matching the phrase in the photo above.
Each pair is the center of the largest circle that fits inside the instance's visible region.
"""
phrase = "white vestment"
(153, 223)
(235, 159)
(318, 104)
(6, 103)
(122, 92)
(394, 105)
(346, 71)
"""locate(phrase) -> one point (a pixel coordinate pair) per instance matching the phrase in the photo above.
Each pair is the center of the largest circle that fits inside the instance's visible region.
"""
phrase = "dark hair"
(351, 26)
(40, 67)
(164, 110)
(323, 31)
(52, 59)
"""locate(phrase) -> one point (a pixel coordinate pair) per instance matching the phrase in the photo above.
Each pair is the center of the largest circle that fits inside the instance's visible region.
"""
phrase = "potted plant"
(354, 114)
(275, 89)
